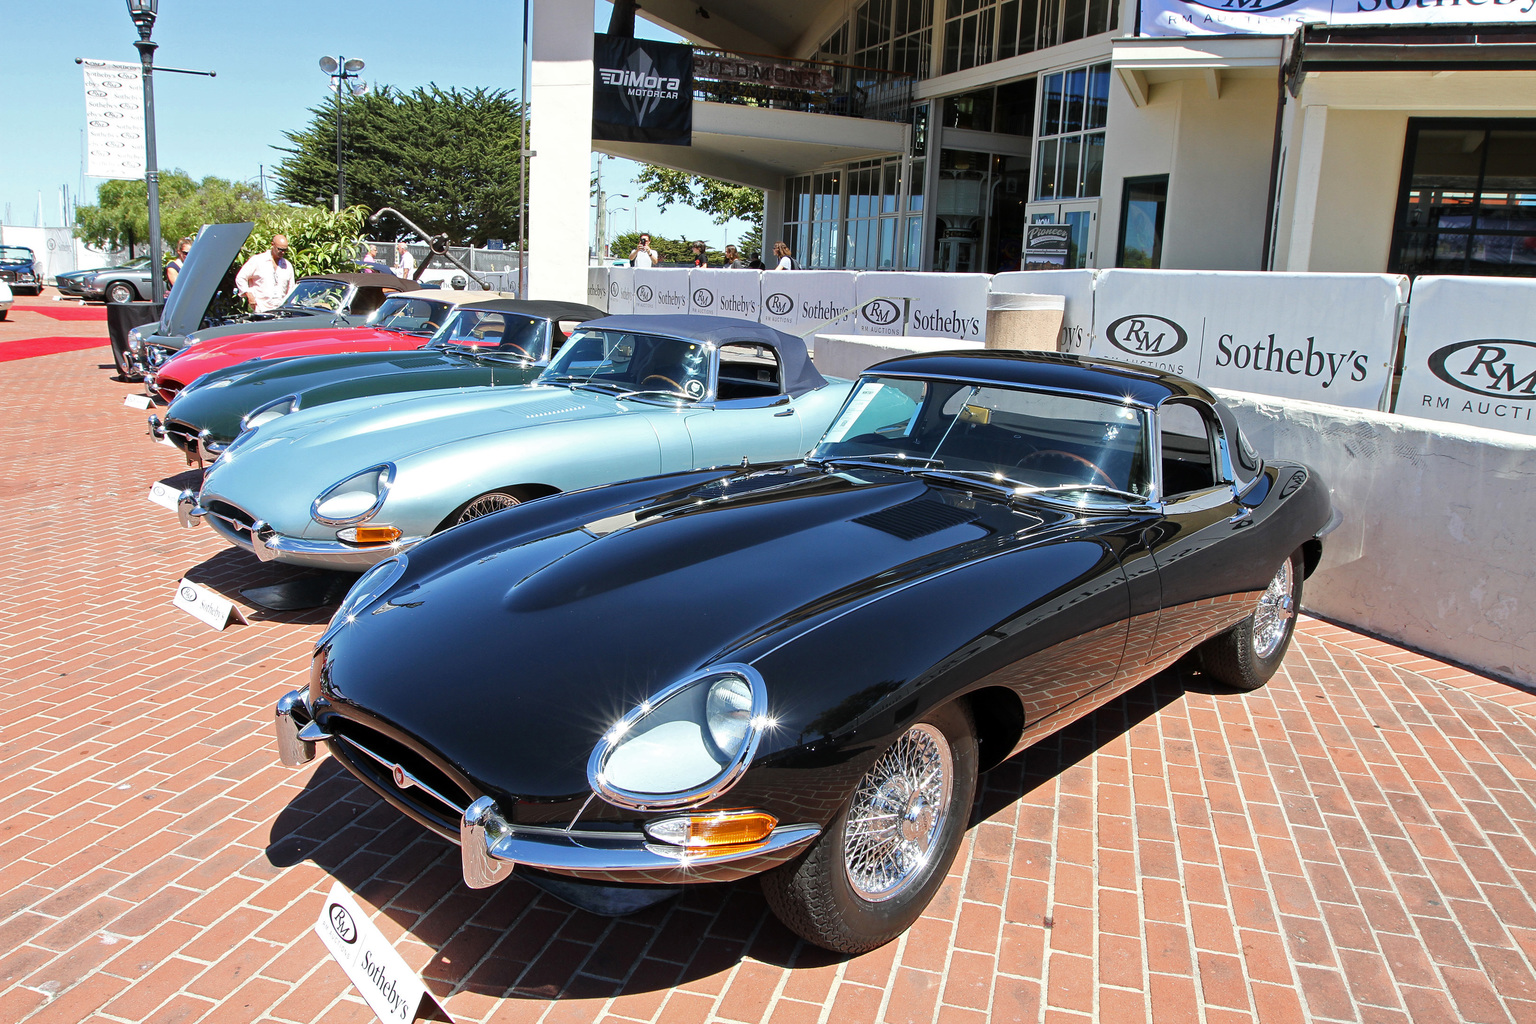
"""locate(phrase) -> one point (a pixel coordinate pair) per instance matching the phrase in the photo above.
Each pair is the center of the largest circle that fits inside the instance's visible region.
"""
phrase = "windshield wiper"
(651, 391)
(1007, 485)
(888, 460)
(1031, 492)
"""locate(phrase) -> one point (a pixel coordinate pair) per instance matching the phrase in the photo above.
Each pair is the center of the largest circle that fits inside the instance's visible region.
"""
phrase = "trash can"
(1022, 321)
(123, 317)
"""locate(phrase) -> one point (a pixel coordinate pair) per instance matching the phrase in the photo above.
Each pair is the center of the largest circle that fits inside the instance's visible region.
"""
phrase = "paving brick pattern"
(1352, 843)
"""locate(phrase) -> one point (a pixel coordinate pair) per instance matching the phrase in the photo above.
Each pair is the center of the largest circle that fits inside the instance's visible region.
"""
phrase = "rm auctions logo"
(881, 312)
(613, 289)
(644, 293)
(341, 923)
(703, 298)
(779, 304)
(1147, 334)
(1251, 6)
(1495, 367)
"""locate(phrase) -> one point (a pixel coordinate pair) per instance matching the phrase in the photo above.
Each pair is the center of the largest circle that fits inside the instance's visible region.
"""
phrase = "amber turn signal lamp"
(370, 535)
(719, 828)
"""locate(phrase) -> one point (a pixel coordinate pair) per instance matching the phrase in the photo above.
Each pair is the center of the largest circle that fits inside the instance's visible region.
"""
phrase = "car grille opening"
(238, 518)
(183, 435)
(428, 794)
(168, 389)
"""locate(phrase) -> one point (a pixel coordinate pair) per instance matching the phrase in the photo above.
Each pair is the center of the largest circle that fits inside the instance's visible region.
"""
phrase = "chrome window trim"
(1098, 396)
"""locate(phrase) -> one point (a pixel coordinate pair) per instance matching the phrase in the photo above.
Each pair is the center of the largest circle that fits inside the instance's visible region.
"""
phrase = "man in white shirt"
(405, 266)
(267, 278)
(643, 255)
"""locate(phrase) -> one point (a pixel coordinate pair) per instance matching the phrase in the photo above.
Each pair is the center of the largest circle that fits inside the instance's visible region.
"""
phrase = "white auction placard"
(621, 290)
(137, 401)
(114, 119)
(661, 290)
(202, 603)
(805, 302)
(164, 495)
(597, 287)
(1320, 337)
(737, 293)
(386, 982)
(1076, 286)
(1471, 352)
(933, 305)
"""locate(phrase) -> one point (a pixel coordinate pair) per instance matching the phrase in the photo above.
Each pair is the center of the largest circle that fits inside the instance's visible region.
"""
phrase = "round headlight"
(370, 586)
(264, 413)
(686, 745)
(354, 499)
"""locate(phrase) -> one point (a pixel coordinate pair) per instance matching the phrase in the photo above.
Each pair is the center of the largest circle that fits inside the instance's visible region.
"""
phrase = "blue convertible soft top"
(799, 375)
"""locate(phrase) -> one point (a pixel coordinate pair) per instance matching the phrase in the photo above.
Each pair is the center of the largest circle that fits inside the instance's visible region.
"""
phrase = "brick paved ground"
(1354, 842)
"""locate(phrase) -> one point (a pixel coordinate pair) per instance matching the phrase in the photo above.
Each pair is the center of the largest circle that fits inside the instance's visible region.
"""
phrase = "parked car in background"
(347, 485)
(129, 282)
(404, 320)
(485, 342)
(799, 671)
(20, 270)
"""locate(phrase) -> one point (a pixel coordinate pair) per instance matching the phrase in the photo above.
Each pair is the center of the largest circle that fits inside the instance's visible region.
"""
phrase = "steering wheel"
(512, 346)
(656, 376)
(1046, 453)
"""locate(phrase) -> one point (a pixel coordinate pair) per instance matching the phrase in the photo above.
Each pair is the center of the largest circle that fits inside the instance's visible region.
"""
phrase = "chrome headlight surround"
(135, 339)
(370, 586)
(732, 702)
(263, 414)
(383, 478)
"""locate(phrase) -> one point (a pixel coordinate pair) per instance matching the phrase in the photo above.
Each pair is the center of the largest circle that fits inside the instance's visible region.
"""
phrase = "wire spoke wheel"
(484, 505)
(897, 814)
(1272, 618)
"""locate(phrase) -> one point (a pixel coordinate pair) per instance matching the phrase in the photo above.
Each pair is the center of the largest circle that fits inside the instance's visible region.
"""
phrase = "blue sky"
(267, 58)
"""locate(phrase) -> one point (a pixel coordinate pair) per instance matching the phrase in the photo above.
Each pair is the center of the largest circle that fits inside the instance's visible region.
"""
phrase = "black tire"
(1247, 655)
(121, 291)
(4, 313)
(483, 505)
(816, 895)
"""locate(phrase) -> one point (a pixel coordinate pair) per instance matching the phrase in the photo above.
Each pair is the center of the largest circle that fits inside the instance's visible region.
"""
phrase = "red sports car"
(403, 321)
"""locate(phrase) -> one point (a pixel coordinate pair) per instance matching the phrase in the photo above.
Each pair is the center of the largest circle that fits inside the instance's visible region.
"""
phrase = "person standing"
(173, 268)
(699, 259)
(405, 264)
(782, 254)
(643, 255)
(371, 262)
(733, 260)
(266, 278)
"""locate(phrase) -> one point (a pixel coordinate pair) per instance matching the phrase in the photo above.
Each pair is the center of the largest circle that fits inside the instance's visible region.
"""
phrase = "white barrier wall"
(597, 288)
(932, 305)
(1317, 337)
(621, 290)
(1436, 547)
(798, 301)
(737, 293)
(659, 292)
(1471, 353)
(1076, 286)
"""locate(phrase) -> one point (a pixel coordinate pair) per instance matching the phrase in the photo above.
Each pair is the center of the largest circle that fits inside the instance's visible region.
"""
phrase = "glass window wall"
(978, 32)
(1069, 156)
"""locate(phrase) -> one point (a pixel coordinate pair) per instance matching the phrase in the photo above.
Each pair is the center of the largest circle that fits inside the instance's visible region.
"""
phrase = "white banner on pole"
(661, 291)
(621, 290)
(1471, 353)
(1320, 337)
(796, 301)
(1282, 17)
(597, 287)
(933, 305)
(737, 293)
(1074, 285)
(114, 119)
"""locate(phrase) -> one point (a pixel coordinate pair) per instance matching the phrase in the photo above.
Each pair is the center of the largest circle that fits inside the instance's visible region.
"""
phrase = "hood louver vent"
(913, 519)
(554, 405)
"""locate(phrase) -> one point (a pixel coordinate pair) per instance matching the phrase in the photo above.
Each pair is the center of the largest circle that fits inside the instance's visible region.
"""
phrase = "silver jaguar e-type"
(347, 485)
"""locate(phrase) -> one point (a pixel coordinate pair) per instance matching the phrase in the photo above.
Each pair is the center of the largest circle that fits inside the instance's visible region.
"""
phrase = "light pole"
(341, 70)
(143, 13)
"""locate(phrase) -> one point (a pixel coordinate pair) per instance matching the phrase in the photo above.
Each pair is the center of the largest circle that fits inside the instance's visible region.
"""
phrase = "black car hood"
(511, 658)
(215, 249)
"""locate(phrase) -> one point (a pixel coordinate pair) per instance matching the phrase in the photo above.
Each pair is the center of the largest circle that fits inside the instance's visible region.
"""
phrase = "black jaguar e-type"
(798, 670)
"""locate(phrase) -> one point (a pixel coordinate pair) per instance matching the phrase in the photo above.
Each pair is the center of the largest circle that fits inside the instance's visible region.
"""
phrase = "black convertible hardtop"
(799, 375)
(548, 309)
(1058, 371)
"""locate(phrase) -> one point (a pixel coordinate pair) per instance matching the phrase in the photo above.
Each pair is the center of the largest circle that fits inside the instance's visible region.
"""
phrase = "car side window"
(561, 333)
(749, 370)
(1190, 462)
(367, 300)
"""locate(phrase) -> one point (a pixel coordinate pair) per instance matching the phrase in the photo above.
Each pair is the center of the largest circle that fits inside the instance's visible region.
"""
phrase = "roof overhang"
(1145, 61)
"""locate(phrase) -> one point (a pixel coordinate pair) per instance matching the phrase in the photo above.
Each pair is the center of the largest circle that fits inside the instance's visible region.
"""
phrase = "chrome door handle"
(786, 412)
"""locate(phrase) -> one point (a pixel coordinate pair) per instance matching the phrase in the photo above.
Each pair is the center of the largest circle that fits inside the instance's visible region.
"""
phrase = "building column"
(1309, 180)
(560, 95)
(773, 221)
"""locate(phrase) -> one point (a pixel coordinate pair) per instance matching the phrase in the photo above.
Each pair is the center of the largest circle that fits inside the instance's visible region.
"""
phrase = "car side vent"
(913, 519)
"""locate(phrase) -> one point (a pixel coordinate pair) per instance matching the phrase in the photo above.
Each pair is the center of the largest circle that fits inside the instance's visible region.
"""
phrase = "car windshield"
(410, 314)
(644, 365)
(493, 332)
(326, 295)
(15, 254)
(1034, 442)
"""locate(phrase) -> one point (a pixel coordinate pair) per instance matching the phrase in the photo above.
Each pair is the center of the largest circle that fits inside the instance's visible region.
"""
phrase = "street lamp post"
(143, 13)
(341, 70)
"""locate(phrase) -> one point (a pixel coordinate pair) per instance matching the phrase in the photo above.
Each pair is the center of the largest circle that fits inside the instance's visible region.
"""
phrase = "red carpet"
(68, 312)
(30, 347)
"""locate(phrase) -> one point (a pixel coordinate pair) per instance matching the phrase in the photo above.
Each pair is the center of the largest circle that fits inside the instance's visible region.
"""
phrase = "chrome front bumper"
(490, 847)
(267, 544)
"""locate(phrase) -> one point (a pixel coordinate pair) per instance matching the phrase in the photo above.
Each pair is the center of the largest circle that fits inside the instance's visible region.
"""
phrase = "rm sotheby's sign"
(393, 991)
(1281, 17)
(1320, 337)
(1471, 353)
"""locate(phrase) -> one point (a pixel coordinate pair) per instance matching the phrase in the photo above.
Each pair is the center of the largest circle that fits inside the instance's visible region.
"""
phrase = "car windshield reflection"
(1011, 439)
(632, 365)
(408, 314)
(491, 333)
(327, 295)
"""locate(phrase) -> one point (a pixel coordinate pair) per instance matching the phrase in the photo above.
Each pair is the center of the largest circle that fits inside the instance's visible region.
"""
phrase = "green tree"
(444, 158)
(722, 200)
(319, 241)
(120, 217)
(671, 250)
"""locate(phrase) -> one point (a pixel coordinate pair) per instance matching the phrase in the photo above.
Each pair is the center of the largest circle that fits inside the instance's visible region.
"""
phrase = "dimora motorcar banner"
(1320, 337)
(1470, 356)
(642, 91)
(1282, 17)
